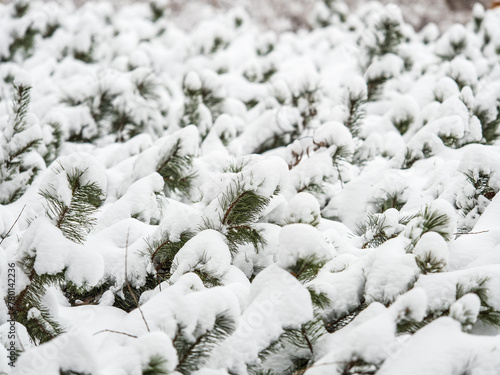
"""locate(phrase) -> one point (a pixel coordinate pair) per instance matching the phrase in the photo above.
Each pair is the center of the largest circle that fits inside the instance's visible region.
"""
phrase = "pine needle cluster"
(454, 48)
(193, 354)
(305, 100)
(489, 126)
(335, 323)
(409, 326)
(390, 199)
(305, 269)
(375, 85)
(76, 219)
(156, 366)
(176, 169)
(357, 366)
(14, 170)
(194, 99)
(429, 220)
(387, 36)
(162, 252)
(375, 231)
(241, 208)
(487, 313)
(40, 324)
(298, 344)
(22, 43)
(355, 104)
(430, 264)
(482, 188)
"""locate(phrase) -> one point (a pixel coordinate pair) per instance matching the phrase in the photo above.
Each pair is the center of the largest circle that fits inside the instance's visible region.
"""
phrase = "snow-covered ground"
(209, 196)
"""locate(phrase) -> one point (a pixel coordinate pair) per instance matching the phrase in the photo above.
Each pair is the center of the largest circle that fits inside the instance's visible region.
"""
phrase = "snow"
(276, 300)
(301, 241)
(75, 164)
(466, 309)
(432, 246)
(206, 252)
(55, 253)
(22, 79)
(385, 280)
(411, 305)
(140, 201)
(334, 134)
(303, 208)
(446, 350)
(192, 81)
(249, 108)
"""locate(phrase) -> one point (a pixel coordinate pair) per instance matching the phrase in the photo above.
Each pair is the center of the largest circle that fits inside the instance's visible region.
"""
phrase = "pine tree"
(156, 366)
(176, 169)
(193, 354)
(240, 208)
(428, 220)
(355, 103)
(298, 346)
(29, 308)
(162, 252)
(387, 36)
(376, 230)
(22, 38)
(475, 201)
(382, 41)
(203, 97)
(21, 138)
(74, 219)
(479, 286)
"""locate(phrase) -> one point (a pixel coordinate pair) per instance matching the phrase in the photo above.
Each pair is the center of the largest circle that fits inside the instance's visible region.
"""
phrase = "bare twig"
(17, 219)
(112, 331)
(460, 233)
(128, 284)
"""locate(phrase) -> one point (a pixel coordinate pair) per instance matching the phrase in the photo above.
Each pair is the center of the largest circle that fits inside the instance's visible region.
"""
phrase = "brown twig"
(128, 284)
(17, 219)
(460, 233)
(112, 331)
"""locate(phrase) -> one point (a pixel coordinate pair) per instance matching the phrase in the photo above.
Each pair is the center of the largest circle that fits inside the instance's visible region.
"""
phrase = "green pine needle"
(433, 221)
(307, 335)
(240, 209)
(243, 208)
(192, 355)
(389, 35)
(375, 86)
(75, 220)
(306, 269)
(356, 112)
(319, 299)
(156, 366)
(360, 367)
(14, 163)
(341, 321)
(407, 326)
(71, 372)
(430, 264)
(85, 295)
(176, 170)
(41, 328)
(162, 252)
(487, 313)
